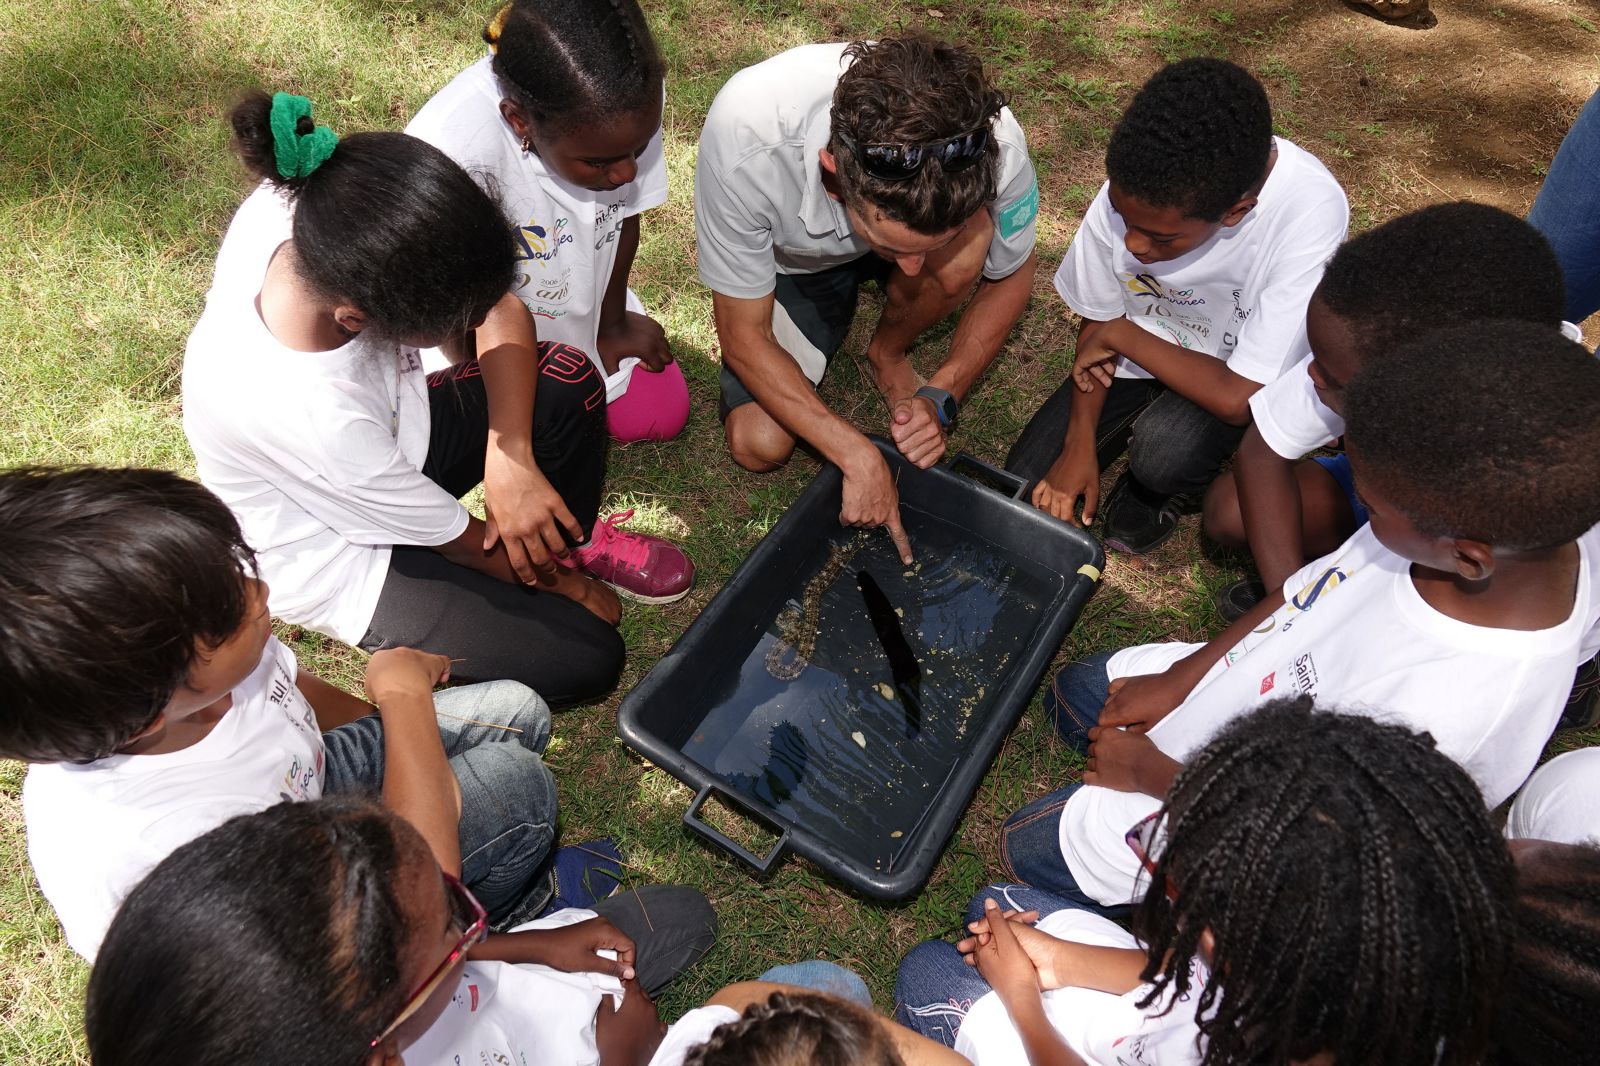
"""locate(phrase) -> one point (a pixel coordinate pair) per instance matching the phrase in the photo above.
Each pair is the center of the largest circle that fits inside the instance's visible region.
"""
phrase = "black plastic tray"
(660, 718)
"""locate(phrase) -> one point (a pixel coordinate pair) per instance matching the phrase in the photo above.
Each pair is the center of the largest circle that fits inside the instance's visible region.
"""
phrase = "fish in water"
(791, 653)
(902, 661)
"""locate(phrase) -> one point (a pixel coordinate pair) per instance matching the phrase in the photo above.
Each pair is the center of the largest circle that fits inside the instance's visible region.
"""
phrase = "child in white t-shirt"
(327, 931)
(1382, 289)
(1191, 272)
(1327, 888)
(144, 685)
(562, 123)
(1462, 608)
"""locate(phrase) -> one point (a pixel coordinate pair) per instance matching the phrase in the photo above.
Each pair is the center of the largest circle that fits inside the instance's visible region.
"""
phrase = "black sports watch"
(944, 404)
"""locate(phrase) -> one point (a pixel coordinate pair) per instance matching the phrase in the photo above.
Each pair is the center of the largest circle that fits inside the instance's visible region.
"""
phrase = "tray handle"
(991, 476)
(762, 866)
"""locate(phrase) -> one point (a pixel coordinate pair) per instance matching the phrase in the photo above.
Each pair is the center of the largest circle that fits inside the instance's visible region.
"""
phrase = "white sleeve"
(359, 484)
(1087, 277)
(651, 181)
(1292, 418)
(1275, 336)
(1016, 203)
(689, 1032)
(732, 238)
(1560, 802)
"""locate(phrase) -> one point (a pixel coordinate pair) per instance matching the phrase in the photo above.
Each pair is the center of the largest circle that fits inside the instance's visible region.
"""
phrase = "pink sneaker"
(637, 565)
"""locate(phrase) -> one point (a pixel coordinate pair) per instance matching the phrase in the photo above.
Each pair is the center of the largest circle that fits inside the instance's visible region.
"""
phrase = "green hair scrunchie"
(298, 154)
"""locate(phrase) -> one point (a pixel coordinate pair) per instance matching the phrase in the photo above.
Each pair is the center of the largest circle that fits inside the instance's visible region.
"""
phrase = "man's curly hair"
(1197, 137)
(915, 90)
(1445, 263)
(1484, 431)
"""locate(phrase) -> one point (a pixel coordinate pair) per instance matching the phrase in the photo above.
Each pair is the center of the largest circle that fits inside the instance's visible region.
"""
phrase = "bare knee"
(1221, 518)
(755, 441)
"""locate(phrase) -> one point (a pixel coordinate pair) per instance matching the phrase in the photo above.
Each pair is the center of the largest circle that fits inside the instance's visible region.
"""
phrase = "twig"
(474, 721)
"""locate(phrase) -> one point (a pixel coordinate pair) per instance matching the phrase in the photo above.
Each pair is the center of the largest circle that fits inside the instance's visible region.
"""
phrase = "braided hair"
(567, 62)
(1552, 993)
(798, 1029)
(1355, 891)
(272, 934)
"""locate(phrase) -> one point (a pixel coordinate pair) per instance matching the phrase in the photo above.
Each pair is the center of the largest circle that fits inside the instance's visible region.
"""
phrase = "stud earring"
(527, 145)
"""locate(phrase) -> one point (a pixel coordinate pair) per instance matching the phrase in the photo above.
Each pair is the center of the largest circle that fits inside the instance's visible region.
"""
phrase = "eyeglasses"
(897, 162)
(1142, 839)
(468, 913)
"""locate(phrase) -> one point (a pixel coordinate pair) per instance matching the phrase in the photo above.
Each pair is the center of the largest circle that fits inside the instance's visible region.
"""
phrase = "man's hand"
(1127, 762)
(870, 498)
(525, 512)
(1075, 474)
(629, 1035)
(1136, 703)
(572, 948)
(636, 335)
(401, 672)
(915, 429)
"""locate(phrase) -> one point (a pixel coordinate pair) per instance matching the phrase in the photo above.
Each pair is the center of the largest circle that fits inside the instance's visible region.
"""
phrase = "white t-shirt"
(566, 235)
(1294, 421)
(523, 1014)
(318, 454)
(96, 829)
(1560, 802)
(1356, 634)
(1241, 296)
(760, 206)
(689, 1032)
(1105, 1030)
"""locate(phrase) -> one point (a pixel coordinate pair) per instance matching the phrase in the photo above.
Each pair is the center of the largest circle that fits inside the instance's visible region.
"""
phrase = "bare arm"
(1196, 376)
(418, 784)
(334, 706)
(914, 1049)
(984, 327)
(622, 332)
(468, 550)
(1270, 505)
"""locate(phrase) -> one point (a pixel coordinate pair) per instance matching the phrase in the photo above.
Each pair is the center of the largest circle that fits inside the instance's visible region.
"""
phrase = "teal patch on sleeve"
(1015, 219)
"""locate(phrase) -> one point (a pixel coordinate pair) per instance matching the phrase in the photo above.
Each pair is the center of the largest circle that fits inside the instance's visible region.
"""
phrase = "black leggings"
(491, 628)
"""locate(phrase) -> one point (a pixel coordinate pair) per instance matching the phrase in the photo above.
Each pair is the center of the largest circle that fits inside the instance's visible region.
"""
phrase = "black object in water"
(902, 661)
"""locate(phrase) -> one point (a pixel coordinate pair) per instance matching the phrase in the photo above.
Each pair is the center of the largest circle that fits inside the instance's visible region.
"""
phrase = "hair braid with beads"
(1356, 894)
(566, 62)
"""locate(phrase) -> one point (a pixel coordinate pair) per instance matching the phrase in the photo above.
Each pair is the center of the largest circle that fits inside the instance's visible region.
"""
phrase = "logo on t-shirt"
(1305, 674)
(1322, 584)
(1268, 682)
(535, 242)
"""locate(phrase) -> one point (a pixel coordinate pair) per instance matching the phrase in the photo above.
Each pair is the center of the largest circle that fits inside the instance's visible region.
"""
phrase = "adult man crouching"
(831, 165)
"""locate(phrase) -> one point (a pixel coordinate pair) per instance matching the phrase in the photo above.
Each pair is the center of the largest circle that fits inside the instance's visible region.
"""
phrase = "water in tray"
(809, 723)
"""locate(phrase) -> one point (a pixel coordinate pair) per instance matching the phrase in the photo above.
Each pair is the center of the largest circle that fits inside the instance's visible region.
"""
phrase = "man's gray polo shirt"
(760, 207)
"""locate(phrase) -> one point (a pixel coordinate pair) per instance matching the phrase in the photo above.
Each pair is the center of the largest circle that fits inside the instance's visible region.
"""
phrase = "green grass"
(115, 186)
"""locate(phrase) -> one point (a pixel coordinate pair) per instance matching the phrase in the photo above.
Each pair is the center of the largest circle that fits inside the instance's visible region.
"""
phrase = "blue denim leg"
(827, 977)
(1567, 211)
(1075, 697)
(492, 735)
(934, 990)
(1022, 898)
(1030, 852)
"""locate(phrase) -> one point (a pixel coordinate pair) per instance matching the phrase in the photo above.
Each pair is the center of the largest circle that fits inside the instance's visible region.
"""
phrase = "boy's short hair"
(1484, 431)
(915, 90)
(112, 582)
(1197, 137)
(1443, 264)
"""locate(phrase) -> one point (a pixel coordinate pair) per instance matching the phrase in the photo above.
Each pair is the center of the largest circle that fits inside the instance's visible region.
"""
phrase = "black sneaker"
(1133, 526)
(1583, 704)
(1234, 601)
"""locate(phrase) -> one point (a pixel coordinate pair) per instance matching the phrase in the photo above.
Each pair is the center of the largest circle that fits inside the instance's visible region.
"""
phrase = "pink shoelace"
(630, 550)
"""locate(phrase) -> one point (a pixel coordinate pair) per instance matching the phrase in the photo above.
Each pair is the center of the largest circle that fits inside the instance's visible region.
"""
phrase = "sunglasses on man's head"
(897, 162)
(466, 913)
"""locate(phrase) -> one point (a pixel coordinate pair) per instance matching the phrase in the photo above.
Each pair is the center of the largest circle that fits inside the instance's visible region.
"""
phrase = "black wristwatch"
(944, 404)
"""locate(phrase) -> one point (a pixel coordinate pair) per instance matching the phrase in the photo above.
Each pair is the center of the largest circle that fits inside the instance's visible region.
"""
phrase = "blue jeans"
(1567, 211)
(508, 795)
(934, 988)
(1030, 840)
(827, 977)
